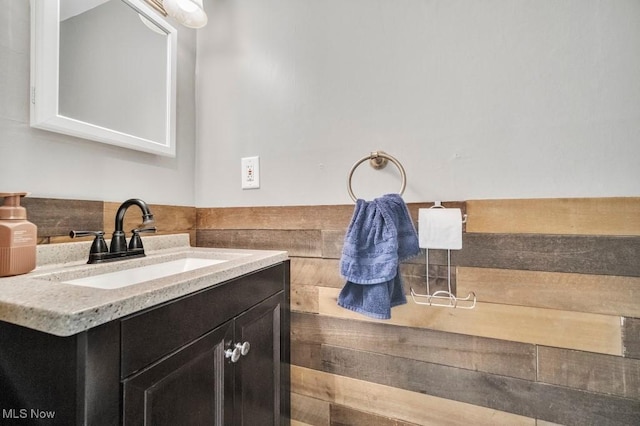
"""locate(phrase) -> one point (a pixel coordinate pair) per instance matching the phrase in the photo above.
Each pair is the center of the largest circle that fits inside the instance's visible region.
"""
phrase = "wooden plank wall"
(554, 339)
(56, 217)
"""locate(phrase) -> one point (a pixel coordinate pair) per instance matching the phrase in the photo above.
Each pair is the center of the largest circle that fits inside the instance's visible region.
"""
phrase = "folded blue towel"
(380, 236)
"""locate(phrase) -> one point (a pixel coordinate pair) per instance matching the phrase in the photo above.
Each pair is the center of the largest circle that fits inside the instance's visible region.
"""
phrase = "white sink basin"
(127, 277)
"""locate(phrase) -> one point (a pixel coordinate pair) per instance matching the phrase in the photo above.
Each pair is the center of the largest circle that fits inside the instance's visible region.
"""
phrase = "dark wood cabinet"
(216, 357)
(258, 373)
(209, 381)
(190, 387)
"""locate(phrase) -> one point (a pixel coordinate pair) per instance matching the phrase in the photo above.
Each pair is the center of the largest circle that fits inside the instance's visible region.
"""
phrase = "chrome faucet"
(118, 249)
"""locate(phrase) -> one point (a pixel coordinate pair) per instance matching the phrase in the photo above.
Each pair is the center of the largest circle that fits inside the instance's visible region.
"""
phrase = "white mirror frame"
(45, 39)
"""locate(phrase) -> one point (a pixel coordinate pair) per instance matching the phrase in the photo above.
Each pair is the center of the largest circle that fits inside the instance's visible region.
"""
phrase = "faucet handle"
(136, 242)
(99, 244)
(77, 234)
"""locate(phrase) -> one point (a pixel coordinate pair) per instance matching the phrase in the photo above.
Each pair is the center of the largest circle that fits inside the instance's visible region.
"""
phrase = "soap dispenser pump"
(18, 237)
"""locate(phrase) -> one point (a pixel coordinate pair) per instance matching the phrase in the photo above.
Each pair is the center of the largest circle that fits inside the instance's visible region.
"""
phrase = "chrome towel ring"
(378, 160)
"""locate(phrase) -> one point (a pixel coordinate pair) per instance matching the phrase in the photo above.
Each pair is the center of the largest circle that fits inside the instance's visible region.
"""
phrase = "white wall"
(47, 164)
(477, 99)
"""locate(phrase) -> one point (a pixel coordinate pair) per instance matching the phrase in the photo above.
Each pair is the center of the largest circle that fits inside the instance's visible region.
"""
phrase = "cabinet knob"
(233, 354)
(239, 349)
(244, 348)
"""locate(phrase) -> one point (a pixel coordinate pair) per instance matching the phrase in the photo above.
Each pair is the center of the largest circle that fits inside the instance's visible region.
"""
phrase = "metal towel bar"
(378, 160)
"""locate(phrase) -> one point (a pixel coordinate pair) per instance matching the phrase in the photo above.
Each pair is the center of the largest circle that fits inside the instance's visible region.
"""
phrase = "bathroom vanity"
(206, 346)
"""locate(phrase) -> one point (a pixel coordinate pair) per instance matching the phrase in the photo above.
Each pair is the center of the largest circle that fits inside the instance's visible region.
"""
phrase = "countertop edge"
(64, 310)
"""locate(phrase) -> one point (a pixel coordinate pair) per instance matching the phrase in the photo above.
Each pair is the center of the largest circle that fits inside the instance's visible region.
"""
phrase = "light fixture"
(189, 13)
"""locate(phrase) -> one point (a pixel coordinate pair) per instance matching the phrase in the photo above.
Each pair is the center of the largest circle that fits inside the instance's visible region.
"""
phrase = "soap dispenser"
(18, 237)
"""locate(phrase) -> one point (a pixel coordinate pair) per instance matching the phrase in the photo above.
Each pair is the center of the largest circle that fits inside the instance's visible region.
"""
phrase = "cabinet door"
(258, 372)
(185, 388)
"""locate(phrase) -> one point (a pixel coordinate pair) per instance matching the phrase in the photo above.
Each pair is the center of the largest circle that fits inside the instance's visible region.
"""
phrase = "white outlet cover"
(250, 172)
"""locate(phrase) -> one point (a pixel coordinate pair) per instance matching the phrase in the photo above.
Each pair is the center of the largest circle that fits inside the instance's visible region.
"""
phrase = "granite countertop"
(41, 301)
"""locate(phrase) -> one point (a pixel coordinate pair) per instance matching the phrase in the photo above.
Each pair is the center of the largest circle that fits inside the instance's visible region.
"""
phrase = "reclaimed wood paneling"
(554, 253)
(612, 375)
(326, 273)
(56, 217)
(304, 298)
(308, 410)
(408, 406)
(550, 327)
(307, 354)
(325, 217)
(298, 423)
(631, 337)
(522, 397)
(562, 280)
(344, 416)
(332, 242)
(587, 216)
(277, 217)
(303, 243)
(439, 278)
(457, 350)
(551, 253)
(168, 219)
(579, 408)
(171, 219)
(316, 272)
(600, 294)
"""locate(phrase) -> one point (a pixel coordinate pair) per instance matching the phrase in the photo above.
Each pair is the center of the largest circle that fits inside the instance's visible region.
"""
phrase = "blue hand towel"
(380, 236)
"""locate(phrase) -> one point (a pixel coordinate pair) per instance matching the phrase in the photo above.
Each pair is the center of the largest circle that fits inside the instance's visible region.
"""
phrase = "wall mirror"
(104, 70)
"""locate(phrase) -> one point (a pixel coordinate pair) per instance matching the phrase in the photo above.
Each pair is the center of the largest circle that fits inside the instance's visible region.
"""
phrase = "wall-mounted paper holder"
(443, 298)
(438, 205)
